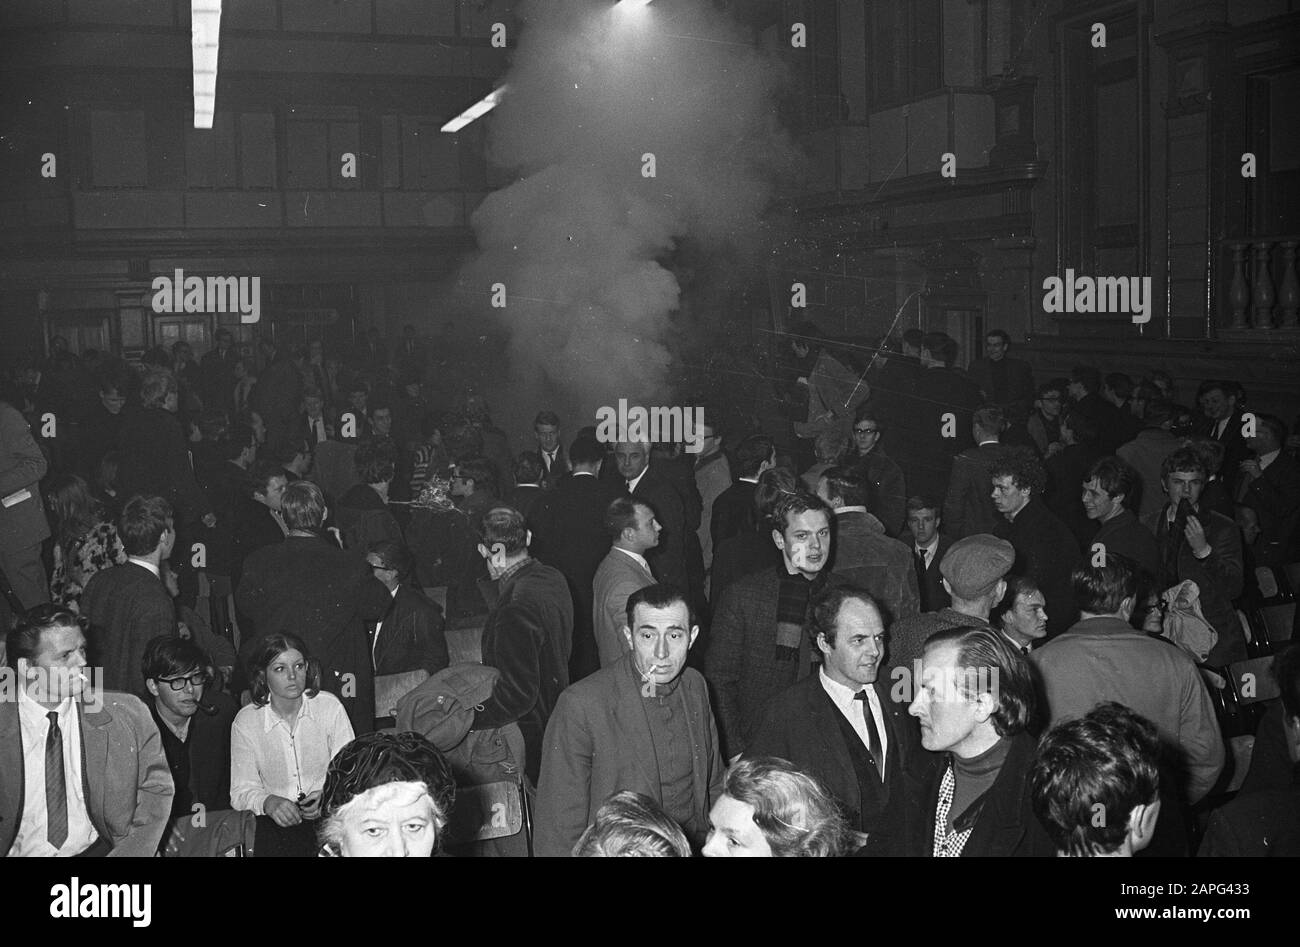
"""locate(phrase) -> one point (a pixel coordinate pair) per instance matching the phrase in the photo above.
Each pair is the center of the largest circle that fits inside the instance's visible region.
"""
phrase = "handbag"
(390, 688)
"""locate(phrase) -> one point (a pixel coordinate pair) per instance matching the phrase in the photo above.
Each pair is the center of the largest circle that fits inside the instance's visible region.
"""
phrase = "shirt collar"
(636, 481)
(511, 572)
(930, 548)
(635, 555)
(1266, 459)
(270, 718)
(146, 564)
(35, 713)
(850, 509)
(749, 480)
(583, 473)
(844, 696)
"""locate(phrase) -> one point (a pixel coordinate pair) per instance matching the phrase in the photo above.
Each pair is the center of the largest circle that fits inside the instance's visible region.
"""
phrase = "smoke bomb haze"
(581, 240)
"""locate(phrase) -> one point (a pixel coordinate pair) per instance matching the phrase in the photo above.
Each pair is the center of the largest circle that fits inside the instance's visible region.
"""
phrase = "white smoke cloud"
(579, 239)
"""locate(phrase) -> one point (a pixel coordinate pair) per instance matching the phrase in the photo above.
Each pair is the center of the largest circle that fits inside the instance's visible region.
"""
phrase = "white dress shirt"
(379, 626)
(632, 484)
(844, 699)
(32, 839)
(145, 564)
(930, 550)
(270, 758)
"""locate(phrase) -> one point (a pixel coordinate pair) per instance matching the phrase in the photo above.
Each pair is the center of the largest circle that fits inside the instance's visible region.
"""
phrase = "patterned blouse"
(97, 550)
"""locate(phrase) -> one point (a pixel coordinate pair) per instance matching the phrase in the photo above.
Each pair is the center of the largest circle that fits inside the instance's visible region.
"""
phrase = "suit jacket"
(156, 460)
(127, 784)
(741, 555)
(886, 477)
(865, 556)
(1275, 496)
(800, 725)
(525, 498)
(523, 639)
(569, 533)
(127, 606)
(599, 742)
(1125, 536)
(939, 391)
(968, 508)
(618, 577)
(1218, 576)
(1004, 820)
(741, 662)
(255, 526)
(1046, 551)
(1235, 448)
(327, 597)
(411, 636)
(668, 560)
(22, 465)
(556, 472)
(933, 595)
(364, 518)
(712, 479)
(1016, 390)
(1066, 472)
(733, 512)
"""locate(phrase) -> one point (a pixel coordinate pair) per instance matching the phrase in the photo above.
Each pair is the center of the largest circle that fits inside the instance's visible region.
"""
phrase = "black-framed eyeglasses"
(199, 679)
(866, 430)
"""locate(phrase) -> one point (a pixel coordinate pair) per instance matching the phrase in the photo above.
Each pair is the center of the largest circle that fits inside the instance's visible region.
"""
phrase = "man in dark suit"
(643, 724)
(733, 510)
(313, 426)
(757, 647)
(968, 508)
(941, 391)
(128, 605)
(528, 490)
(217, 372)
(569, 533)
(884, 476)
(1269, 483)
(861, 552)
(1067, 468)
(1198, 544)
(97, 753)
(555, 462)
(22, 517)
(1085, 391)
(928, 546)
(410, 636)
(635, 531)
(527, 634)
(257, 521)
(193, 720)
(1046, 550)
(668, 560)
(841, 725)
(1006, 382)
(1117, 388)
(309, 587)
(1223, 421)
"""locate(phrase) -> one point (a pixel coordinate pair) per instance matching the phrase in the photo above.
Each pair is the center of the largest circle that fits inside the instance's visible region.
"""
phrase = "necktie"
(873, 735)
(56, 792)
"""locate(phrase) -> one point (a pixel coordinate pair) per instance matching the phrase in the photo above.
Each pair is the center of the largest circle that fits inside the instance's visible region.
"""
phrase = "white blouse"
(268, 757)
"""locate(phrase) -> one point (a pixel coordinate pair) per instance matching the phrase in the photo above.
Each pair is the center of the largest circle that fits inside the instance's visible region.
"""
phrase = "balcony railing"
(1263, 291)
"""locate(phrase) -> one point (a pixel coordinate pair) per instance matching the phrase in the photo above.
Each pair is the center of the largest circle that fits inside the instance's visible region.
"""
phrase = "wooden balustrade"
(1263, 291)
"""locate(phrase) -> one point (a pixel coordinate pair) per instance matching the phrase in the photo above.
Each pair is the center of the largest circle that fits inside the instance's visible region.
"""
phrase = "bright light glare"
(477, 110)
(632, 4)
(205, 16)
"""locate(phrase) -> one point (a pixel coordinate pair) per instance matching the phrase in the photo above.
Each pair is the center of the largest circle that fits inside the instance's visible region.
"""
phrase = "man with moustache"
(841, 726)
(643, 723)
(758, 647)
(80, 773)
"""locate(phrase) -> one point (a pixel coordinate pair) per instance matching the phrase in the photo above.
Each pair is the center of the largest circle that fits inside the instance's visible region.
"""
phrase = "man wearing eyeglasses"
(194, 720)
(879, 469)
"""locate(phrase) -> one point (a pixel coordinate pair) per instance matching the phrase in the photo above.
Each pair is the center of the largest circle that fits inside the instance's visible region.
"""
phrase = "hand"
(169, 582)
(1250, 468)
(1054, 448)
(1195, 534)
(283, 812)
(209, 520)
(310, 807)
(734, 760)
(183, 630)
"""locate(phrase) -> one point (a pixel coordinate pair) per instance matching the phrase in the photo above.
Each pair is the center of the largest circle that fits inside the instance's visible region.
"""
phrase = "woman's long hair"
(73, 510)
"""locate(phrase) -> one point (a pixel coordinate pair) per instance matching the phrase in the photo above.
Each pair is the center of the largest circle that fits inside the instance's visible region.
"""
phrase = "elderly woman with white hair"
(387, 795)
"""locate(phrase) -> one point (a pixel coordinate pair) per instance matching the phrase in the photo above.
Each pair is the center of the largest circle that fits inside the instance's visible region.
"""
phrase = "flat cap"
(974, 565)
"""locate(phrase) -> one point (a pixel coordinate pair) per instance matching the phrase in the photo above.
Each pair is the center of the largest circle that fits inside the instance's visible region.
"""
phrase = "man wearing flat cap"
(974, 573)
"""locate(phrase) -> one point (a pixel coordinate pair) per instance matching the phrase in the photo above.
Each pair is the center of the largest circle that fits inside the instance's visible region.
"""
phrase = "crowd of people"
(930, 611)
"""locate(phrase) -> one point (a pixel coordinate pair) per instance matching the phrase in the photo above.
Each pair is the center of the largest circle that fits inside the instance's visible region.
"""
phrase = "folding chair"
(228, 833)
(1251, 682)
(1272, 626)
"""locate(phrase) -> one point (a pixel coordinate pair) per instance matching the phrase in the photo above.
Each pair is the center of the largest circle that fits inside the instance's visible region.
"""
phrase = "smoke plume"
(583, 240)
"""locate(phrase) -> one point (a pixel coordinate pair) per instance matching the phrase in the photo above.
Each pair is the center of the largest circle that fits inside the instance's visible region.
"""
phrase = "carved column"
(1263, 296)
(1288, 297)
(1239, 291)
